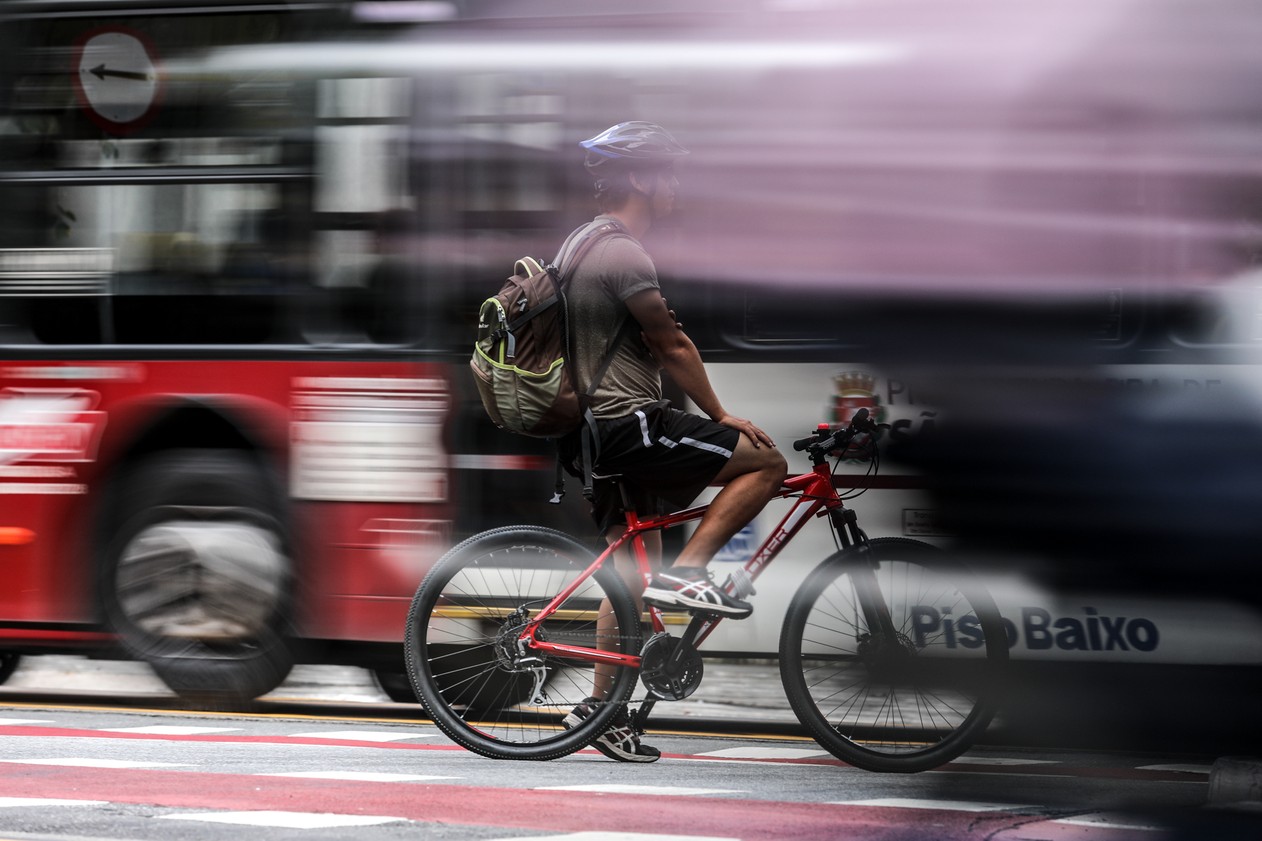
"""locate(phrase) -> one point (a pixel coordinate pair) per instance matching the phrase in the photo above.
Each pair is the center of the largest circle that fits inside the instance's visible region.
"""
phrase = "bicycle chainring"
(659, 678)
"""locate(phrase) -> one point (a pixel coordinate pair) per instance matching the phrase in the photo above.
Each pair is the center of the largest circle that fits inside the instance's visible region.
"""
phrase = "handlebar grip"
(860, 418)
(803, 443)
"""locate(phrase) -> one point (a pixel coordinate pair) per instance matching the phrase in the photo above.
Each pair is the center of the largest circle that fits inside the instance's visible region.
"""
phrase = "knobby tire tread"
(930, 557)
(448, 720)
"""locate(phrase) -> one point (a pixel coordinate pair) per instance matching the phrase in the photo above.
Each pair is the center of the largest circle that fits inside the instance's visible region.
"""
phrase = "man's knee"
(774, 468)
(767, 462)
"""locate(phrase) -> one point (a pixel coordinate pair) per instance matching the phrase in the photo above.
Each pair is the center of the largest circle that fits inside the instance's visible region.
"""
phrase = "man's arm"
(678, 356)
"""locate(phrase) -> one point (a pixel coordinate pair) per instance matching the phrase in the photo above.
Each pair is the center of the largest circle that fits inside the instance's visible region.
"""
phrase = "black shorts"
(665, 458)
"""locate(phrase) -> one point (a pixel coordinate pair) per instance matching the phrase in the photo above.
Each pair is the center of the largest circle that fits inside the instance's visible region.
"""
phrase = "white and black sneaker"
(620, 741)
(693, 588)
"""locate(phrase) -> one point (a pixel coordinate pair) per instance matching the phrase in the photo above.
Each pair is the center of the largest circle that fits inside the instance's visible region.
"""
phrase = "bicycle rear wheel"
(477, 684)
(902, 703)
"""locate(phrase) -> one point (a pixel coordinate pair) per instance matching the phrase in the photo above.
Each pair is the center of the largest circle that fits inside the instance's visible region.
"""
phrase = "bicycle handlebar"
(826, 439)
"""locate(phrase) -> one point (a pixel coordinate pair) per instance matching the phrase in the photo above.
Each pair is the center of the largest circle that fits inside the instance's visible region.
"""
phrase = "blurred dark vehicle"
(1094, 487)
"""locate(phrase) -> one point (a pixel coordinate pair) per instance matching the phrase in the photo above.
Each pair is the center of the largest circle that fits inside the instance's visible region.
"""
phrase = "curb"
(1235, 779)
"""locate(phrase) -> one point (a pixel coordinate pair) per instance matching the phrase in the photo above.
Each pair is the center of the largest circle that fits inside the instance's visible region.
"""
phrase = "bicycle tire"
(458, 643)
(904, 705)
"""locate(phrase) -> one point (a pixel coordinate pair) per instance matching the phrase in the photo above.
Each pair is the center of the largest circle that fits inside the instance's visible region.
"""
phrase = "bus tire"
(8, 664)
(396, 685)
(196, 574)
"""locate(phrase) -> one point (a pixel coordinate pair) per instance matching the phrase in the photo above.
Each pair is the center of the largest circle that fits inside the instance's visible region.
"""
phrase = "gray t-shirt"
(615, 268)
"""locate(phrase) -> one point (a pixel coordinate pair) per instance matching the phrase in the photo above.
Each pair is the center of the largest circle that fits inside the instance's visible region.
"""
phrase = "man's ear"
(639, 182)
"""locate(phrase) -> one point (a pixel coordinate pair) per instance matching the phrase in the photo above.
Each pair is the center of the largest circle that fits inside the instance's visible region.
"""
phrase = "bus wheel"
(396, 685)
(196, 578)
(9, 664)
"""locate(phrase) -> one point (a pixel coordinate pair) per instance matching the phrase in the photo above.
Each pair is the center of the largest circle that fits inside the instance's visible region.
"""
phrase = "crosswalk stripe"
(15, 802)
(999, 760)
(1185, 769)
(91, 762)
(944, 805)
(171, 730)
(1107, 820)
(358, 776)
(363, 735)
(619, 836)
(22, 722)
(765, 753)
(286, 820)
(614, 788)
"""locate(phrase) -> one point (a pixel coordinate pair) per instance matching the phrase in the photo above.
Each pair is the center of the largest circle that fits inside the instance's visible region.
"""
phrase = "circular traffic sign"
(116, 77)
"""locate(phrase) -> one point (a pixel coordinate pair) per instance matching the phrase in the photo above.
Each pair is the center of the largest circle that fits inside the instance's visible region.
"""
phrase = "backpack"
(520, 358)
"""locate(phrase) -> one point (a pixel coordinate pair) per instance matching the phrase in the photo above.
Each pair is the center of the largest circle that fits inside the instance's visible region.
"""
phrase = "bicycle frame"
(815, 496)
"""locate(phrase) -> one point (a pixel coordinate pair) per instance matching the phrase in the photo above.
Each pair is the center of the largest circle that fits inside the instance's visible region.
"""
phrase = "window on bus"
(487, 173)
(368, 277)
(201, 204)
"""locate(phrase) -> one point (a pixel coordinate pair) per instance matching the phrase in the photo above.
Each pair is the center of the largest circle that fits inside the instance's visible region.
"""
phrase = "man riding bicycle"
(662, 456)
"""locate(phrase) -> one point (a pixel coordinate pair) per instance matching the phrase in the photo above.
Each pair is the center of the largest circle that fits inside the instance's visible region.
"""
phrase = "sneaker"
(620, 741)
(694, 589)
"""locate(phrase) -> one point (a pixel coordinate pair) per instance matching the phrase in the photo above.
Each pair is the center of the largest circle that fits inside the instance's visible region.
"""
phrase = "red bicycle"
(890, 651)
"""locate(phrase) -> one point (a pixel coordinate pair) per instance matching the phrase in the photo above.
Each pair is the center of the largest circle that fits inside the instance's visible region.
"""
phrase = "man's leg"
(606, 622)
(621, 741)
(751, 478)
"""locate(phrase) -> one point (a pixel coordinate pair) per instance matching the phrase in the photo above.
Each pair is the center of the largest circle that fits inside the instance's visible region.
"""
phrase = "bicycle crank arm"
(640, 718)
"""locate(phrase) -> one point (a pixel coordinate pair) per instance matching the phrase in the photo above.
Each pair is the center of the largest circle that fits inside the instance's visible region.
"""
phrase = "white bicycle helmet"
(631, 143)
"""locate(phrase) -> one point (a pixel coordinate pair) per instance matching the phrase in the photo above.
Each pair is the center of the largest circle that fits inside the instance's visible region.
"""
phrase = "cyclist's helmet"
(631, 143)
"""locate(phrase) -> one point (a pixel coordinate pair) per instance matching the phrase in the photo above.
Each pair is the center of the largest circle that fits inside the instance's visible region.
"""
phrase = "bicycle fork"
(867, 589)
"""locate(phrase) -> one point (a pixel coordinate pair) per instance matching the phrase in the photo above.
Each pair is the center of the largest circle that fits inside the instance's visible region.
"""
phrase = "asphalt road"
(135, 774)
(328, 757)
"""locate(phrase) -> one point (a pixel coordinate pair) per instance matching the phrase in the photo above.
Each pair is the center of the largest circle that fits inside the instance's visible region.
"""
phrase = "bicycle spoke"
(486, 687)
(901, 698)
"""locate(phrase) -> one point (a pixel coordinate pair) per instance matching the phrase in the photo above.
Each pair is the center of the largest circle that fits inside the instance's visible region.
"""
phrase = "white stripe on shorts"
(644, 427)
(693, 442)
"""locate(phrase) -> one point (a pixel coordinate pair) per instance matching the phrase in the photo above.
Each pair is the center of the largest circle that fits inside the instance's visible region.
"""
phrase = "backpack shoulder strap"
(571, 254)
(579, 242)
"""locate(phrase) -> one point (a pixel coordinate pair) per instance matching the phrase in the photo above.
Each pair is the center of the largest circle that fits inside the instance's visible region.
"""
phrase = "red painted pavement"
(1054, 770)
(524, 809)
(521, 809)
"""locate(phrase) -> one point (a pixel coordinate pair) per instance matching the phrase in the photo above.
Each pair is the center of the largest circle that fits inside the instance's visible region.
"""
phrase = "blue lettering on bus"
(1039, 629)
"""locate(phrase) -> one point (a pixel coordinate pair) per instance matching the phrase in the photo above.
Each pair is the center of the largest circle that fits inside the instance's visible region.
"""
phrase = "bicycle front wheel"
(480, 686)
(908, 698)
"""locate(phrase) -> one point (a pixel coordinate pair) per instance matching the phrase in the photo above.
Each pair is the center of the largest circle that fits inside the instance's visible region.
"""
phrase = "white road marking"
(945, 805)
(22, 722)
(171, 730)
(88, 762)
(997, 760)
(358, 776)
(766, 753)
(287, 820)
(1106, 820)
(1185, 769)
(13, 802)
(619, 836)
(677, 791)
(363, 735)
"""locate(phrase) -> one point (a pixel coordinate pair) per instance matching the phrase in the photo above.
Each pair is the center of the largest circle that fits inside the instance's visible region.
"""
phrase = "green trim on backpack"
(519, 356)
